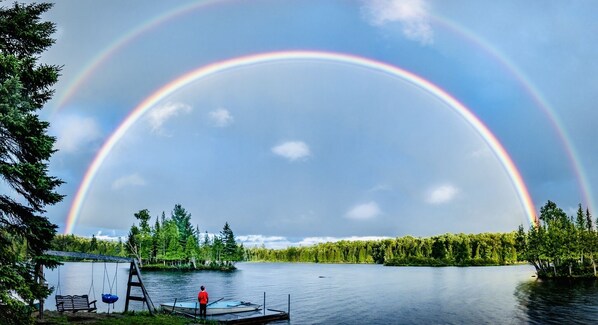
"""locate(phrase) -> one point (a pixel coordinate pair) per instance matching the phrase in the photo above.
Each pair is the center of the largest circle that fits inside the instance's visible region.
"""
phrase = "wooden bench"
(74, 303)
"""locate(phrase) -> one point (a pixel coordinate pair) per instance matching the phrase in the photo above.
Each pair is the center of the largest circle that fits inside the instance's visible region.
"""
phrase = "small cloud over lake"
(292, 150)
(221, 117)
(364, 211)
(127, 181)
(442, 194)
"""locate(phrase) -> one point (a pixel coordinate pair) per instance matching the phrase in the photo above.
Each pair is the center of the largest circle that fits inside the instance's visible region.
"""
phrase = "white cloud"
(413, 15)
(292, 150)
(75, 132)
(221, 117)
(160, 114)
(364, 211)
(267, 241)
(100, 236)
(129, 180)
(442, 194)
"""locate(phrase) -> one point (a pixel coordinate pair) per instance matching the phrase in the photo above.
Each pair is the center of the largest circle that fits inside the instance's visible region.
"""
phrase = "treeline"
(72, 243)
(560, 246)
(174, 242)
(447, 249)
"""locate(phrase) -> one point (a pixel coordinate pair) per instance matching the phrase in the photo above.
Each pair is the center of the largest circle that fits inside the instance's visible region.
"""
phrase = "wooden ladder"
(134, 271)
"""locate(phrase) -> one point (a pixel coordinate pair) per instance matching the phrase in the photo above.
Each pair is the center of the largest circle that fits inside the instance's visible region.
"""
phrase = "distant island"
(558, 247)
(170, 244)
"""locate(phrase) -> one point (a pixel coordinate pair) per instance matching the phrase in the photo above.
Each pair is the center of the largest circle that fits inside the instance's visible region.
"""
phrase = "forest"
(560, 246)
(442, 250)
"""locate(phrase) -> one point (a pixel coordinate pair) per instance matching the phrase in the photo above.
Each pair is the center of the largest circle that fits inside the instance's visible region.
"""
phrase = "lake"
(357, 294)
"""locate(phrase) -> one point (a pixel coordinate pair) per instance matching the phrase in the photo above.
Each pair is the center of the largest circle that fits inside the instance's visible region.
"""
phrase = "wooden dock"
(261, 316)
(253, 317)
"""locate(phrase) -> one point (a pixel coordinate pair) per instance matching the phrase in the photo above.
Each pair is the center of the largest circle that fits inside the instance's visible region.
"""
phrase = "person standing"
(203, 302)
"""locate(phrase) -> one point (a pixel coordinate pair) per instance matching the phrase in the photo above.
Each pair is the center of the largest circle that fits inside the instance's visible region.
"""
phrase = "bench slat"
(74, 303)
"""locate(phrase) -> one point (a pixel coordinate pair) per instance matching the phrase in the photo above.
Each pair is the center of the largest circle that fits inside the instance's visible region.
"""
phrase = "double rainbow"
(271, 57)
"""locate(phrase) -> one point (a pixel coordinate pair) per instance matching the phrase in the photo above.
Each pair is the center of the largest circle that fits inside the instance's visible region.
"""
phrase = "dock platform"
(252, 317)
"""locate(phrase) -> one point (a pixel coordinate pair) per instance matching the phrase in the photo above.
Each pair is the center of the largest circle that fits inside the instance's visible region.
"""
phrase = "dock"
(260, 316)
(253, 317)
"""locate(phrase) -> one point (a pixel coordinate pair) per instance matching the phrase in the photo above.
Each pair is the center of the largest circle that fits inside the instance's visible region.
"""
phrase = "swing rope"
(109, 298)
(58, 291)
(114, 280)
(92, 285)
(106, 277)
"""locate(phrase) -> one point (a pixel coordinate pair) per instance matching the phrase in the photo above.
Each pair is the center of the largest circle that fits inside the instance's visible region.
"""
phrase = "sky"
(299, 122)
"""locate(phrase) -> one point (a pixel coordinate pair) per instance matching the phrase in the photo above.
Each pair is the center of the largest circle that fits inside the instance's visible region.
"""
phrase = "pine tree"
(182, 220)
(25, 148)
(229, 244)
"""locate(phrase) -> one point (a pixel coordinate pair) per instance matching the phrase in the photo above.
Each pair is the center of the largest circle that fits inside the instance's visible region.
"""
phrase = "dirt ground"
(52, 317)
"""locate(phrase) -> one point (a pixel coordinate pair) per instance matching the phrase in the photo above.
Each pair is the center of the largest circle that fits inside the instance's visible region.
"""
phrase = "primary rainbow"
(250, 60)
(168, 16)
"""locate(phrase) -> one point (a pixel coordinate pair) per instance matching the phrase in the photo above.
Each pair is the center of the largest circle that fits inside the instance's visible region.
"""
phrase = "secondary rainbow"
(539, 101)
(585, 189)
(271, 57)
(92, 66)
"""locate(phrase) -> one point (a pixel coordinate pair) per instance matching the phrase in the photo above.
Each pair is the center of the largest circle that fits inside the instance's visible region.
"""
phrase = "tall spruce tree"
(25, 148)
(229, 244)
(182, 220)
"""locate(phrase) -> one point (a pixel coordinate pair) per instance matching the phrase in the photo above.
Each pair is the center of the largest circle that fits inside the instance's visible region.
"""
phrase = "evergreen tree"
(143, 216)
(25, 148)
(182, 220)
(156, 239)
(93, 246)
(144, 238)
(133, 244)
(229, 244)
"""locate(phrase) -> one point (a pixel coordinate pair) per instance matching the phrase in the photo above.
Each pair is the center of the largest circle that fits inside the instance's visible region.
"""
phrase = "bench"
(74, 303)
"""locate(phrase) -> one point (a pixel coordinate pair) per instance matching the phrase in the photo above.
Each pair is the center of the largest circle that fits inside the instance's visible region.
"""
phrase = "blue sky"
(300, 152)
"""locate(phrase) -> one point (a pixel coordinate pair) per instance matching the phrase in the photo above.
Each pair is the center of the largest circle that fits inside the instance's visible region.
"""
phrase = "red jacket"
(202, 297)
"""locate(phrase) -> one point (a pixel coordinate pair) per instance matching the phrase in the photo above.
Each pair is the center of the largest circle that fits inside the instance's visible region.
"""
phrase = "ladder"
(134, 272)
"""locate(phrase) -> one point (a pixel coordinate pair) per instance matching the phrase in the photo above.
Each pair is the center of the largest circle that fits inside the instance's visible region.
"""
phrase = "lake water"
(358, 294)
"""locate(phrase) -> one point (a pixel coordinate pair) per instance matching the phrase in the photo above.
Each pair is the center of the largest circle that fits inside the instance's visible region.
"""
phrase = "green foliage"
(230, 249)
(560, 246)
(174, 243)
(443, 250)
(25, 148)
(182, 220)
(72, 243)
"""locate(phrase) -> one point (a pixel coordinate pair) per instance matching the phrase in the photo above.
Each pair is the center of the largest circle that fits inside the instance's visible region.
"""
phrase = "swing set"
(74, 303)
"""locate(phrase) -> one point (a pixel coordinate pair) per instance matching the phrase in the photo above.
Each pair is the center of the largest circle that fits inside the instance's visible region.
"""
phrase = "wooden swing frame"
(134, 272)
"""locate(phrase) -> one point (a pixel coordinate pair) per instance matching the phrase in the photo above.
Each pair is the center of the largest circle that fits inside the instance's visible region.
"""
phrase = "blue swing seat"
(109, 298)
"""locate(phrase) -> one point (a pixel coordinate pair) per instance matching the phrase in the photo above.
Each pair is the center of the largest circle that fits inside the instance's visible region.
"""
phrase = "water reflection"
(558, 302)
(361, 294)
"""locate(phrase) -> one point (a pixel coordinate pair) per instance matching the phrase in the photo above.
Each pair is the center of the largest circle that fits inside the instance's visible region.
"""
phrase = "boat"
(218, 307)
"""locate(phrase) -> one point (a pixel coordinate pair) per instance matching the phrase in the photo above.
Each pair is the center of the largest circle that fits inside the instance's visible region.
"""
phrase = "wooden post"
(289, 307)
(134, 271)
(264, 302)
(131, 267)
